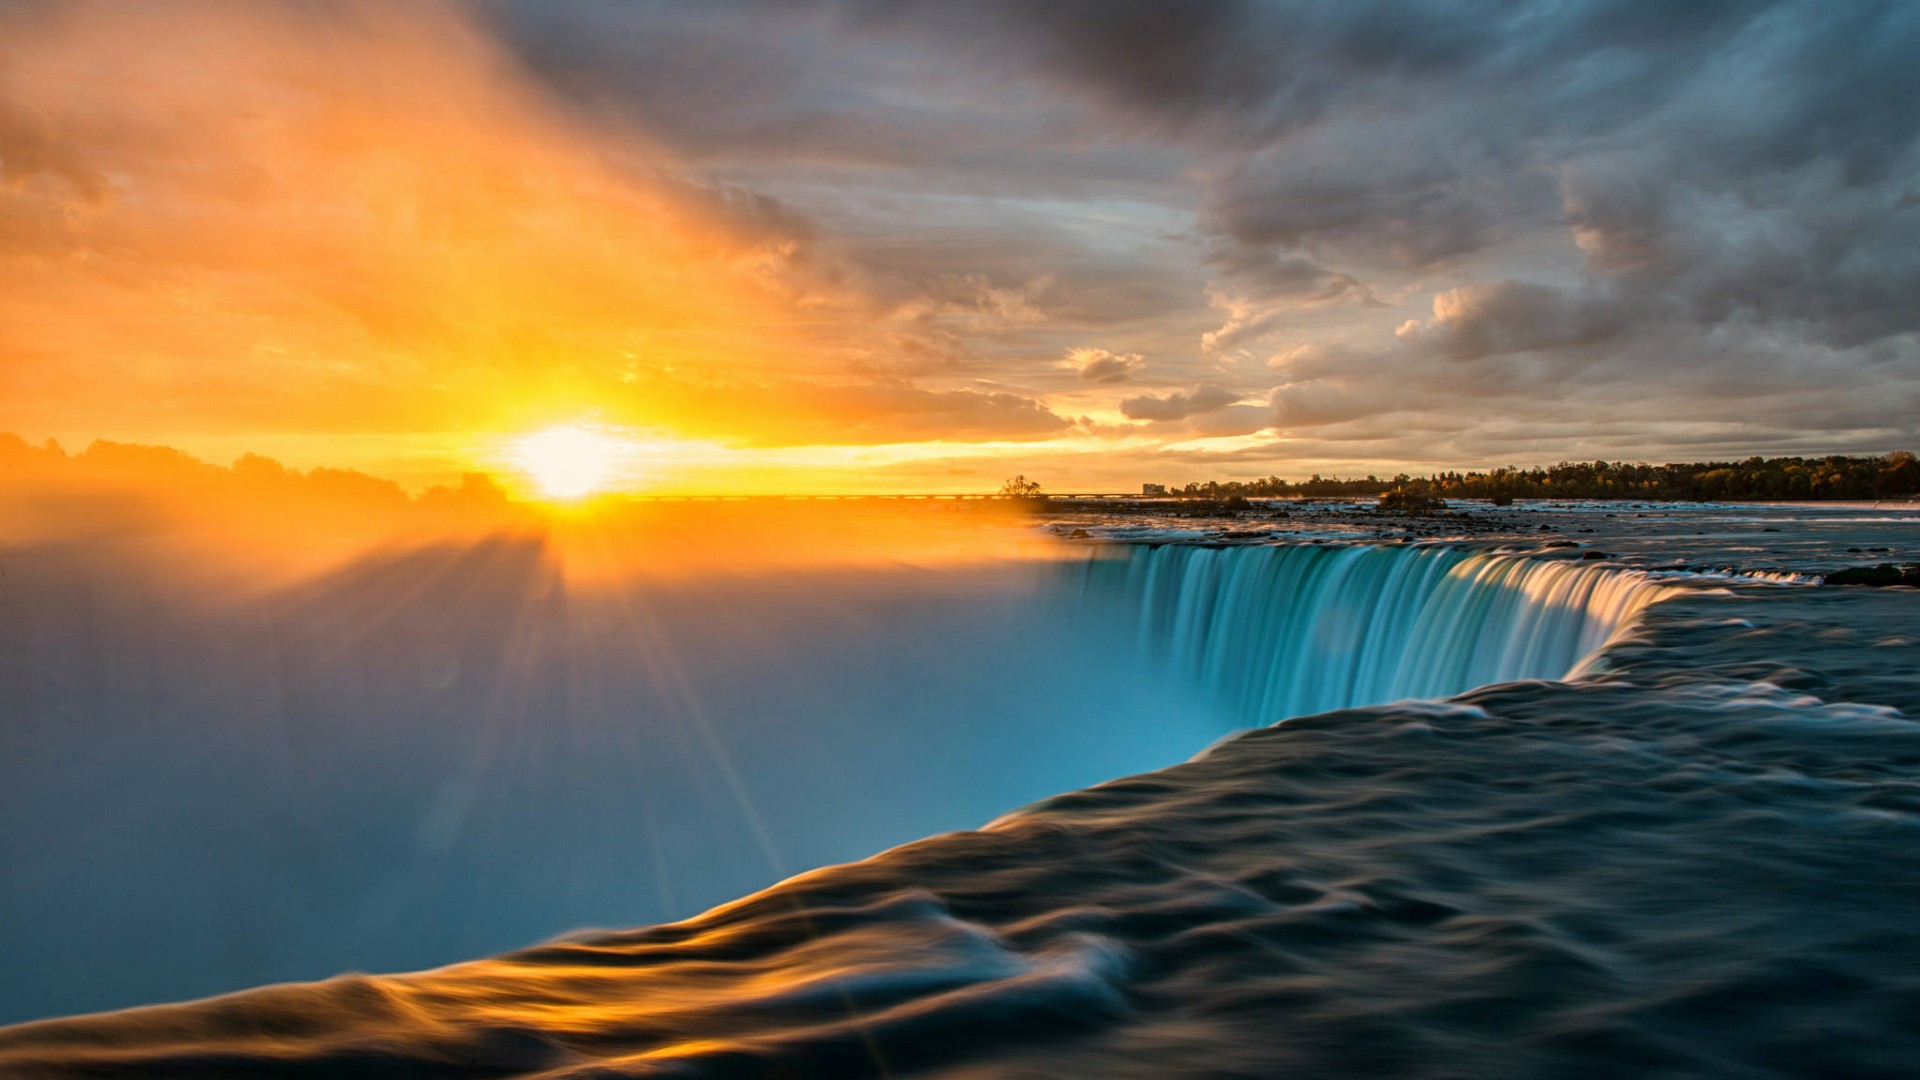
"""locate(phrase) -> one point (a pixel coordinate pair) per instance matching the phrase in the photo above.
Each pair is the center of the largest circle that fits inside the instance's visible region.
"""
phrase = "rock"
(1883, 575)
(1411, 502)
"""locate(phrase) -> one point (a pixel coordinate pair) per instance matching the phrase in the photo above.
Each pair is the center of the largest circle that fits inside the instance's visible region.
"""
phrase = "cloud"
(1178, 406)
(1312, 405)
(1101, 366)
(1264, 275)
(1790, 251)
(1377, 195)
(1236, 69)
(1312, 360)
(776, 244)
(1251, 317)
(1492, 318)
(979, 297)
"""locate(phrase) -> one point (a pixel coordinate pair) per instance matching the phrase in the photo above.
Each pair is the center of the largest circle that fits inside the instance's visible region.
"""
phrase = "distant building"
(1153, 489)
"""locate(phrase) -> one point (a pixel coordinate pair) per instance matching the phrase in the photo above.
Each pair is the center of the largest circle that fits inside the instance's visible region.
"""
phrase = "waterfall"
(1291, 629)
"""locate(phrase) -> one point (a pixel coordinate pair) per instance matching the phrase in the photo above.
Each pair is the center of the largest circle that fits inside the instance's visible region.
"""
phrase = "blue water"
(1685, 853)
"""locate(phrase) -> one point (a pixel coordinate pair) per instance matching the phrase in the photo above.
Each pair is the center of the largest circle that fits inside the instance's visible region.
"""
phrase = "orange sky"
(359, 238)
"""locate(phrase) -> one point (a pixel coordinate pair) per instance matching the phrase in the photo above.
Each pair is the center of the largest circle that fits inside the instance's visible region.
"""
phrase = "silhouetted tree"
(1019, 487)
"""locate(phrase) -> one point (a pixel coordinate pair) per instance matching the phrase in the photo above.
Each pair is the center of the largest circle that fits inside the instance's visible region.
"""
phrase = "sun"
(568, 461)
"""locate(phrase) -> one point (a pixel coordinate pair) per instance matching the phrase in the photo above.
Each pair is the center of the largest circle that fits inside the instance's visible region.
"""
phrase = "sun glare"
(568, 462)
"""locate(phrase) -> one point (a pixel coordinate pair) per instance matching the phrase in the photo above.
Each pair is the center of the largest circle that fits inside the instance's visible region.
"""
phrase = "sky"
(861, 246)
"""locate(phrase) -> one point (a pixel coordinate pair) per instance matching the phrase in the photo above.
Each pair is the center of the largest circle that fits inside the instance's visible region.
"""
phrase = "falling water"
(1292, 629)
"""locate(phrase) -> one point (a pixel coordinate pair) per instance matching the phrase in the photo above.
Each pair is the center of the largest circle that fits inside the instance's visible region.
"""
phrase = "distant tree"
(1832, 477)
(1899, 476)
(478, 493)
(1019, 487)
(253, 470)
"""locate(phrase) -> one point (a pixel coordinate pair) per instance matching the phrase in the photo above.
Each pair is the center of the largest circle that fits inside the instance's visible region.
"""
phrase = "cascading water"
(1291, 629)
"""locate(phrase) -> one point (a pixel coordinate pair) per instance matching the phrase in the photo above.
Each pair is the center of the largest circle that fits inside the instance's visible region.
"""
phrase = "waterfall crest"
(1291, 629)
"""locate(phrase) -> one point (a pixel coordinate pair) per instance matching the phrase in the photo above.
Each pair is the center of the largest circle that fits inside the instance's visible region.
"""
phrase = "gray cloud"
(1728, 158)
(1314, 405)
(1492, 318)
(1101, 366)
(1405, 193)
(1238, 69)
(1178, 406)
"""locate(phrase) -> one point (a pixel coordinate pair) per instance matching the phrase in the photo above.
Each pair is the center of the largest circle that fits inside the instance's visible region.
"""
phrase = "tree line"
(1833, 477)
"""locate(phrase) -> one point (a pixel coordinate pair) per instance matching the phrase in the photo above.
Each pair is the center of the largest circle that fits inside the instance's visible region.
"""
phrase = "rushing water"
(1691, 858)
(1290, 629)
